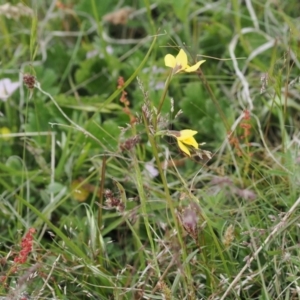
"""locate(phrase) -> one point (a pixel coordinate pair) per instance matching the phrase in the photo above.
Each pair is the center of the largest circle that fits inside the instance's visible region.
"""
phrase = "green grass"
(92, 162)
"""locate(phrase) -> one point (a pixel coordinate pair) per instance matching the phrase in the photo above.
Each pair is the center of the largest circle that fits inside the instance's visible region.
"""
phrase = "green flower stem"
(136, 228)
(103, 171)
(162, 98)
(143, 200)
(148, 7)
(168, 198)
(214, 99)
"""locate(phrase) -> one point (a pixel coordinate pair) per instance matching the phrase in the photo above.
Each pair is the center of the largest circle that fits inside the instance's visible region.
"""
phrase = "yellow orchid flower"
(180, 63)
(185, 137)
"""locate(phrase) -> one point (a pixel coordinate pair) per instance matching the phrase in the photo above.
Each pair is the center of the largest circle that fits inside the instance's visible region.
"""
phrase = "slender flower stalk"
(178, 64)
(163, 95)
(169, 200)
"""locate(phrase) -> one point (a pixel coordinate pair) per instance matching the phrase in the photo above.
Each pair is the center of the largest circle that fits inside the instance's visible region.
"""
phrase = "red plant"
(26, 247)
(235, 142)
(245, 124)
(125, 101)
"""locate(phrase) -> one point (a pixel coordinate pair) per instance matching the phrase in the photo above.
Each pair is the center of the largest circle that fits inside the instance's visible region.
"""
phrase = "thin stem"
(143, 200)
(169, 199)
(148, 7)
(103, 169)
(164, 93)
(38, 86)
(220, 111)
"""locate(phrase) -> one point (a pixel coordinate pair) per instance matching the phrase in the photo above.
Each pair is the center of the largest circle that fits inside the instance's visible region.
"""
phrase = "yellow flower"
(185, 138)
(180, 63)
(79, 191)
(4, 131)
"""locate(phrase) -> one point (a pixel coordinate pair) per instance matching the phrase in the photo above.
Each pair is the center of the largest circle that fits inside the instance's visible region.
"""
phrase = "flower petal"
(190, 141)
(195, 67)
(186, 137)
(181, 60)
(170, 61)
(183, 148)
(186, 133)
(7, 88)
